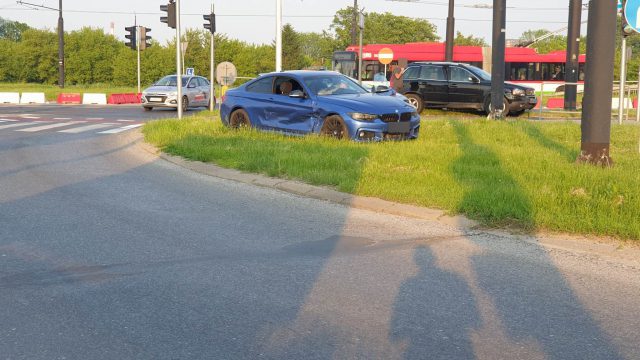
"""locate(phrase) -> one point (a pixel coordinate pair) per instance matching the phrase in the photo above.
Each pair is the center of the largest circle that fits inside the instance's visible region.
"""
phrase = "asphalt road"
(107, 252)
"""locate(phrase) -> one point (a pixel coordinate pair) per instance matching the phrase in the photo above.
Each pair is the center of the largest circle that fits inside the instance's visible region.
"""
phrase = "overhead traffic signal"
(170, 9)
(132, 37)
(144, 38)
(211, 25)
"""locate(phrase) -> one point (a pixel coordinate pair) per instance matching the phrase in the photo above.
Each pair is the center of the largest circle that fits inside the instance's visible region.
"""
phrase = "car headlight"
(362, 116)
(517, 92)
(172, 94)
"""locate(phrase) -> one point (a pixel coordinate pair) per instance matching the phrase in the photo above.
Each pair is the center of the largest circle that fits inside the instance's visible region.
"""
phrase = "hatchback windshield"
(324, 85)
(171, 81)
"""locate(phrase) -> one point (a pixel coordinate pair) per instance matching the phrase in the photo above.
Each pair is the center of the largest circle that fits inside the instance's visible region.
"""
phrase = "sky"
(253, 21)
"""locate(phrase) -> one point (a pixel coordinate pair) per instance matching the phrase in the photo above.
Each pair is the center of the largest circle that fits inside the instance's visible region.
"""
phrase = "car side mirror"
(297, 94)
(474, 80)
(382, 88)
(191, 86)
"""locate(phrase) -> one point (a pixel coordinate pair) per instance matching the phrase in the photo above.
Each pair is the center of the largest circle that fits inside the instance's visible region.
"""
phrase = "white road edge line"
(118, 130)
(51, 126)
(80, 129)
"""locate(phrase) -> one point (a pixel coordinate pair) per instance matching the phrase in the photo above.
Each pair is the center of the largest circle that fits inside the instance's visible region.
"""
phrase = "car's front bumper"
(159, 100)
(379, 131)
(520, 103)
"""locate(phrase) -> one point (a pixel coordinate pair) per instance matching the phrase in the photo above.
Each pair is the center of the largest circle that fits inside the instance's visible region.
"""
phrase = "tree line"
(93, 57)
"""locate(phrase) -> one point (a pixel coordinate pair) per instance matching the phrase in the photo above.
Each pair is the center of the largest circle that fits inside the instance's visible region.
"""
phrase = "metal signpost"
(385, 56)
(631, 23)
(361, 26)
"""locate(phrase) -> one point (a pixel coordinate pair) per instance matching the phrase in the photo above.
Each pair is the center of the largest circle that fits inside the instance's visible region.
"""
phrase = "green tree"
(12, 30)
(36, 57)
(318, 48)
(468, 40)
(89, 56)
(384, 28)
(292, 56)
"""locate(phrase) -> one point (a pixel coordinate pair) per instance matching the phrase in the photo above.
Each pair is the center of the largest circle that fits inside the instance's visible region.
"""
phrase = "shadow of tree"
(534, 132)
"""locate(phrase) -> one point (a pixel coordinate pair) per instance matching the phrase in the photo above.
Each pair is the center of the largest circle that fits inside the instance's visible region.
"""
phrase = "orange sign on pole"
(385, 56)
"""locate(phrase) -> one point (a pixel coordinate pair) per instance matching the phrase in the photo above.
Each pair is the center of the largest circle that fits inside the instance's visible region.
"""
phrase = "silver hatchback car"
(164, 93)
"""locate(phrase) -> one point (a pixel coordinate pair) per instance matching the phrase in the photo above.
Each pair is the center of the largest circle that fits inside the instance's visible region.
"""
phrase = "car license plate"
(157, 99)
(533, 100)
(399, 127)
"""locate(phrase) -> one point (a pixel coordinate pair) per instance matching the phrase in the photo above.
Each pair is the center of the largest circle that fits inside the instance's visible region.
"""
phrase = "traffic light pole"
(596, 111)
(573, 49)
(178, 60)
(138, 40)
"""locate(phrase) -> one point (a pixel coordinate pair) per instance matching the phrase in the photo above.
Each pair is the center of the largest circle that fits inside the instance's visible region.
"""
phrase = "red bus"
(522, 65)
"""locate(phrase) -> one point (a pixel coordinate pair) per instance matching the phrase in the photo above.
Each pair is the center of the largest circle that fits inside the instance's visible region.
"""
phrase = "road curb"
(316, 192)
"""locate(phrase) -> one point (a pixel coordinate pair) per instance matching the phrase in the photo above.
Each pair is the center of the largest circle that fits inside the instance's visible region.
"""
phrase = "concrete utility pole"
(497, 59)
(361, 26)
(354, 25)
(571, 70)
(448, 53)
(60, 46)
(596, 111)
(278, 35)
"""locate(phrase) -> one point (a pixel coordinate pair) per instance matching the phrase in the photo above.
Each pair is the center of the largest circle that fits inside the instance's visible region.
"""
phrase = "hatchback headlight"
(362, 116)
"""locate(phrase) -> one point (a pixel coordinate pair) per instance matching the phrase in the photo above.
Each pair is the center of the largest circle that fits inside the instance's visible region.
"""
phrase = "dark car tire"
(239, 119)
(334, 127)
(416, 101)
(148, 108)
(185, 103)
(487, 107)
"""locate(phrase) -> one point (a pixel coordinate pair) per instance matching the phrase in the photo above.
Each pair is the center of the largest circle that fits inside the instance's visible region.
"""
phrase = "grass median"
(516, 174)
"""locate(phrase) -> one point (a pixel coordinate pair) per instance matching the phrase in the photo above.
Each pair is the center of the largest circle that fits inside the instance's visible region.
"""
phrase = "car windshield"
(326, 85)
(480, 73)
(171, 81)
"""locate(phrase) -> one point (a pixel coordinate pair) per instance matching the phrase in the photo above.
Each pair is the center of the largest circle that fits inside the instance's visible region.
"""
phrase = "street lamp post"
(60, 46)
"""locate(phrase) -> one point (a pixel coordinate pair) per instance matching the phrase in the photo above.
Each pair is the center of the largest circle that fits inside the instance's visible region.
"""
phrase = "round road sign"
(632, 14)
(385, 56)
(226, 73)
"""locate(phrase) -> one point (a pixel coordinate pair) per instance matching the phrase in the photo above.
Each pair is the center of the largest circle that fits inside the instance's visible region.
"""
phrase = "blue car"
(324, 102)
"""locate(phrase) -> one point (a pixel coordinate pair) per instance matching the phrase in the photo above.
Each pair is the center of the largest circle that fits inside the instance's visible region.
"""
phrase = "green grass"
(51, 91)
(516, 174)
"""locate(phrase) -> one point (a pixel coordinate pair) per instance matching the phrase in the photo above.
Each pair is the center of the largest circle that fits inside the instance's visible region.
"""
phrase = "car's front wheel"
(334, 127)
(415, 101)
(185, 103)
(239, 119)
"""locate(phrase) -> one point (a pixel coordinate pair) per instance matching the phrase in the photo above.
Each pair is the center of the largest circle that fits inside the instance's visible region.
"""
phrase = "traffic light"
(170, 19)
(144, 38)
(211, 26)
(131, 36)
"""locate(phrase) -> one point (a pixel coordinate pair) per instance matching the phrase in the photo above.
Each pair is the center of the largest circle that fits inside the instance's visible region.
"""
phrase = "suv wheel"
(488, 107)
(415, 101)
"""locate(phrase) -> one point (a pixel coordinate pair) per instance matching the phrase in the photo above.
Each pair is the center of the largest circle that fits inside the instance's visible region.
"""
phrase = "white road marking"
(61, 118)
(7, 126)
(95, 118)
(126, 120)
(118, 130)
(86, 128)
(8, 120)
(29, 117)
(50, 126)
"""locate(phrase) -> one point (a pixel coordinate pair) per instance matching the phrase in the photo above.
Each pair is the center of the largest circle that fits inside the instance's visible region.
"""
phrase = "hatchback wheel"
(185, 103)
(334, 127)
(239, 119)
(416, 102)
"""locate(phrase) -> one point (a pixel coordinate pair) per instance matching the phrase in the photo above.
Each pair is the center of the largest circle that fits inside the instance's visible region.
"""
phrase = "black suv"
(459, 86)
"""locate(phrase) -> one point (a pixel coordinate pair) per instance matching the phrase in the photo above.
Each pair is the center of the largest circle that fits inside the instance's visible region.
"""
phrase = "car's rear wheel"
(148, 108)
(334, 127)
(185, 103)
(239, 119)
(415, 101)
(488, 107)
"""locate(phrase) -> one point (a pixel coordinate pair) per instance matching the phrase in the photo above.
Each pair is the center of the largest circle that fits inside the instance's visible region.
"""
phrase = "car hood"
(512, 86)
(368, 103)
(160, 89)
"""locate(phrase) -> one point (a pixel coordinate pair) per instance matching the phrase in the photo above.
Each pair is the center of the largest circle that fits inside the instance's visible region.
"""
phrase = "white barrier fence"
(94, 99)
(32, 98)
(9, 98)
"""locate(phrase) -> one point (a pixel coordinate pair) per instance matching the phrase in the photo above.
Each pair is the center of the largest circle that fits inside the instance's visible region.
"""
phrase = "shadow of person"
(434, 313)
